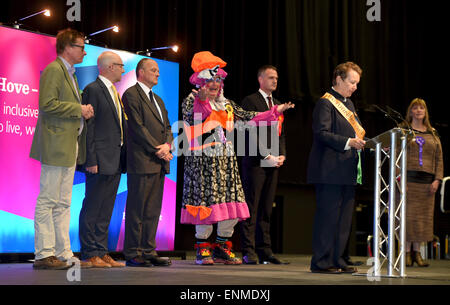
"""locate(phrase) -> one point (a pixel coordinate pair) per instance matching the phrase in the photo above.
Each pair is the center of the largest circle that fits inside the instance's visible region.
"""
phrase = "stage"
(185, 272)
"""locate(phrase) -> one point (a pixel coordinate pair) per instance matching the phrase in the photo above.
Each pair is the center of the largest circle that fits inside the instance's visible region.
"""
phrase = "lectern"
(390, 146)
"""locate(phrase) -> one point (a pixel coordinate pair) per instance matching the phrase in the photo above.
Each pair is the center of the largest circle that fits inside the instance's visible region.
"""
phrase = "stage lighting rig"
(17, 25)
(114, 28)
(148, 52)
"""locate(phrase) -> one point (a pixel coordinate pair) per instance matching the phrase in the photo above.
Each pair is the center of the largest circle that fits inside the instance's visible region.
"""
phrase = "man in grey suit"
(148, 157)
(59, 144)
(105, 160)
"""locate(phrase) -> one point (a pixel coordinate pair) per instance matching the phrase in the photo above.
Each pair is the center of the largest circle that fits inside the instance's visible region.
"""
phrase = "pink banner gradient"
(164, 237)
(21, 63)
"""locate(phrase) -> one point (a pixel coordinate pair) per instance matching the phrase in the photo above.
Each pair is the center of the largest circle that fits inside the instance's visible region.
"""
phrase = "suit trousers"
(260, 185)
(96, 212)
(332, 224)
(52, 212)
(142, 212)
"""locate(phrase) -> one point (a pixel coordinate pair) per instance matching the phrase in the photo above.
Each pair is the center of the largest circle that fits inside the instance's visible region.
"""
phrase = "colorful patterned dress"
(212, 189)
(423, 168)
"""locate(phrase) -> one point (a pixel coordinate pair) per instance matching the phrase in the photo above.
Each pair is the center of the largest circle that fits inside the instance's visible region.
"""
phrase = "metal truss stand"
(389, 246)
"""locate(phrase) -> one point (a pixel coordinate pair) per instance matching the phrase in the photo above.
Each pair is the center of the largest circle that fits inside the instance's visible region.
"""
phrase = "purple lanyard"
(420, 141)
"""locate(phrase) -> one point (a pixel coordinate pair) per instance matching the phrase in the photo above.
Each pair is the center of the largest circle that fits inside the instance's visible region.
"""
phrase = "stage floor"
(185, 272)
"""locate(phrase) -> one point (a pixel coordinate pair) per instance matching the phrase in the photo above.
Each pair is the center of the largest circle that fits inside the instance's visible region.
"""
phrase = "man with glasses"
(105, 160)
(59, 144)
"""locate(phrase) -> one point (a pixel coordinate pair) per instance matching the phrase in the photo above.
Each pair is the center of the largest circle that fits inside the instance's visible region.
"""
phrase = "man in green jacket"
(59, 143)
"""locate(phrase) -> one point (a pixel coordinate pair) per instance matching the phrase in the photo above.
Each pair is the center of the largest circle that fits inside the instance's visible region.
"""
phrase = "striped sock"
(201, 241)
(221, 240)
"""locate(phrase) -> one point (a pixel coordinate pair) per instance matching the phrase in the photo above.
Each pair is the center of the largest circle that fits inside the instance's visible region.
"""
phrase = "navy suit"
(104, 149)
(333, 170)
(260, 184)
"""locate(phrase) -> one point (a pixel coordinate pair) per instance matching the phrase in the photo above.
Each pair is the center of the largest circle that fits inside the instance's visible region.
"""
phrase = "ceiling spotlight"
(45, 12)
(114, 28)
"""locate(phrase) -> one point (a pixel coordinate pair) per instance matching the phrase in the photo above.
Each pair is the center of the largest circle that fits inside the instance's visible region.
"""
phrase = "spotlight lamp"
(45, 12)
(114, 28)
(148, 52)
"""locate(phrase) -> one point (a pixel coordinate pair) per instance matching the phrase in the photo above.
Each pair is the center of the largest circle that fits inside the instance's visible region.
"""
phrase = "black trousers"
(260, 185)
(96, 212)
(332, 224)
(142, 214)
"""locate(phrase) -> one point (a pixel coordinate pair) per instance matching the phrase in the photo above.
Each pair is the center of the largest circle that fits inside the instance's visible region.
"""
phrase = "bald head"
(110, 65)
(147, 72)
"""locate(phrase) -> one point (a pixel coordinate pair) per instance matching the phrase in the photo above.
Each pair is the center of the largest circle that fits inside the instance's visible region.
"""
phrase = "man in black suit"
(260, 174)
(333, 168)
(148, 157)
(105, 160)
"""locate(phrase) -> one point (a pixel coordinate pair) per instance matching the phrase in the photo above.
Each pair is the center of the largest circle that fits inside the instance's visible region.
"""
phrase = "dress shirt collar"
(69, 68)
(106, 81)
(336, 94)
(144, 87)
(265, 95)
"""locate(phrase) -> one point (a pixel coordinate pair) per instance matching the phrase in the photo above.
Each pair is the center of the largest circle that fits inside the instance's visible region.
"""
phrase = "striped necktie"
(117, 103)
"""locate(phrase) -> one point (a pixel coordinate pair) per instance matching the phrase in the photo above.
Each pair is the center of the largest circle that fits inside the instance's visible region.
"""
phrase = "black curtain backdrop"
(403, 56)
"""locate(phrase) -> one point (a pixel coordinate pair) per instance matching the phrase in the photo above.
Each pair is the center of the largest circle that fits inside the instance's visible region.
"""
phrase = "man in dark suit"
(260, 174)
(333, 168)
(105, 160)
(148, 157)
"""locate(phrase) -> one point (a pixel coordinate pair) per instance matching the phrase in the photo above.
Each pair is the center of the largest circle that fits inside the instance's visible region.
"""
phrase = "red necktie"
(270, 102)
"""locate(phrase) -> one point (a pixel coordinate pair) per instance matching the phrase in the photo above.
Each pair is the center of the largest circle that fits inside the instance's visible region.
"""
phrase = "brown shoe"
(418, 259)
(74, 260)
(409, 262)
(97, 262)
(109, 260)
(50, 263)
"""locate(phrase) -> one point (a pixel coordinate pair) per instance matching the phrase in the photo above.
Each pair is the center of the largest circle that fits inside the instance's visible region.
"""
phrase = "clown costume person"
(212, 190)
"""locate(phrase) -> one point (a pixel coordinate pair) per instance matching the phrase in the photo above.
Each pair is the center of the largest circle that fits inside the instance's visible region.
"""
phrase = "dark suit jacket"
(145, 132)
(103, 131)
(256, 102)
(328, 162)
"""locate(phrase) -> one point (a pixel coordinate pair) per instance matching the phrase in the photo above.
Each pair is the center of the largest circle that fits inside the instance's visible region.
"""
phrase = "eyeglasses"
(121, 65)
(77, 45)
(217, 79)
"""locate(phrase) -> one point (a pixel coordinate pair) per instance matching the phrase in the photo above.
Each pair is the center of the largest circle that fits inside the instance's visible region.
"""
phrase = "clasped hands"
(164, 152)
(275, 161)
(87, 111)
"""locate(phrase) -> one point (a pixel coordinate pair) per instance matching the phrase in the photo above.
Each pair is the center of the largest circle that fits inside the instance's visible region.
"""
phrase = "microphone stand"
(399, 116)
(386, 114)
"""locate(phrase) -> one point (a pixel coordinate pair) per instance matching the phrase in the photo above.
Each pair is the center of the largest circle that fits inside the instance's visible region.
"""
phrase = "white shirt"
(265, 96)
(147, 92)
(71, 70)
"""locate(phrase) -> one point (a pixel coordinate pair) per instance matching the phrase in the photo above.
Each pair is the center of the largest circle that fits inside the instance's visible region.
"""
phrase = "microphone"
(386, 114)
(397, 114)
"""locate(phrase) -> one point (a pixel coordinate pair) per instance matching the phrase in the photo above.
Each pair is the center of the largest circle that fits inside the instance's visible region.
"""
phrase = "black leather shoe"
(138, 262)
(249, 260)
(271, 259)
(327, 271)
(348, 269)
(352, 263)
(158, 261)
